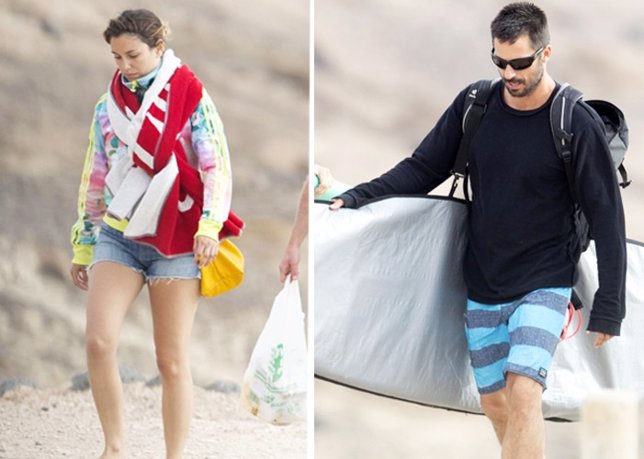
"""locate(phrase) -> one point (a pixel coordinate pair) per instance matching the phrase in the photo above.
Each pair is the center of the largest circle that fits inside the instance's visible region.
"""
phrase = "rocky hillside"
(55, 64)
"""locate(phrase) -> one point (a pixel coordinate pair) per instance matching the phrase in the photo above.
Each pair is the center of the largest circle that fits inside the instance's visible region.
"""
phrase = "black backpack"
(563, 103)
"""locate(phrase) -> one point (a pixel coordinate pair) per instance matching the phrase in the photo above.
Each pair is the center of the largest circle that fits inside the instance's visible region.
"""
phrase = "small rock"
(225, 387)
(14, 383)
(80, 382)
(128, 375)
(154, 382)
(51, 27)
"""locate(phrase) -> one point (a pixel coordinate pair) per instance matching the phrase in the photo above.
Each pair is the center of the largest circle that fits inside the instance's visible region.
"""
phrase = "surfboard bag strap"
(575, 300)
(474, 109)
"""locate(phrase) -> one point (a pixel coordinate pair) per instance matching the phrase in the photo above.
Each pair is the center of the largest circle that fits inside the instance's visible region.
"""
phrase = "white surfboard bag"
(390, 299)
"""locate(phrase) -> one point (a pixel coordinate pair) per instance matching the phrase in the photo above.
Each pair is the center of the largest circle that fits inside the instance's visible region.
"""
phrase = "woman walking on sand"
(154, 197)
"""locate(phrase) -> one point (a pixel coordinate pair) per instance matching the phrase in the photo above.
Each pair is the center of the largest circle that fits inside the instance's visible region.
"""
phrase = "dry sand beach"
(50, 424)
(384, 74)
(55, 65)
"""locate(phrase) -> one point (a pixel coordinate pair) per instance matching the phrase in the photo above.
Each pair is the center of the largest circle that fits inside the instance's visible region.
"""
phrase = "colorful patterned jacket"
(206, 149)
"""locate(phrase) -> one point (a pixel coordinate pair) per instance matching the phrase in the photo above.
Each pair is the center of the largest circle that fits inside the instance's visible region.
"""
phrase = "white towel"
(145, 217)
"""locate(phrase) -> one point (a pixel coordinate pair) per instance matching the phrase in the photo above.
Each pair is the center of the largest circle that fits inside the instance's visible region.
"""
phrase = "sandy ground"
(47, 424)
(352, 424)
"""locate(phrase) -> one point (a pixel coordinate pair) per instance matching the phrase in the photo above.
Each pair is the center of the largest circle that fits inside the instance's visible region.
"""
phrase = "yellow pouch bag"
(225, 272)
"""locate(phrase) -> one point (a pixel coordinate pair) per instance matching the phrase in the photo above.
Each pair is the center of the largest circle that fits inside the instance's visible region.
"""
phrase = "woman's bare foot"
(113, 453)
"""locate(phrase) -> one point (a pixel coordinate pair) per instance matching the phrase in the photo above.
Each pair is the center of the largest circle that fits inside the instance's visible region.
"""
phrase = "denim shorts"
(518, 337)
(142, 258)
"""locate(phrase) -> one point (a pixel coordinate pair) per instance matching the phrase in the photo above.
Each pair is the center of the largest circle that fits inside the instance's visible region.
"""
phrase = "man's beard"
(528, 89)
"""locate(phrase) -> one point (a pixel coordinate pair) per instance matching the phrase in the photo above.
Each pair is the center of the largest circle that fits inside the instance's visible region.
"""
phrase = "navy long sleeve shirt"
(522, 233)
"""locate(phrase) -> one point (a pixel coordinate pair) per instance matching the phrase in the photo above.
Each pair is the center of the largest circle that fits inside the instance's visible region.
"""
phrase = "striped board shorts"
(518, 337)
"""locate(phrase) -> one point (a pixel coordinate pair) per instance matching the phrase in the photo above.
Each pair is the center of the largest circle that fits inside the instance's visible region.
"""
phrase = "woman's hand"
(290, 263)
(79, 276)
(205, 250)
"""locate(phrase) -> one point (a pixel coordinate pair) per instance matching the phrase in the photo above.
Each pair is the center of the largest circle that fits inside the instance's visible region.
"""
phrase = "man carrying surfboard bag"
(523, 246)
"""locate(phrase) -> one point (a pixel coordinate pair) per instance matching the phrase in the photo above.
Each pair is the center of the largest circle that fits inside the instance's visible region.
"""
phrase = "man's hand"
(601, 338)
(336, 204)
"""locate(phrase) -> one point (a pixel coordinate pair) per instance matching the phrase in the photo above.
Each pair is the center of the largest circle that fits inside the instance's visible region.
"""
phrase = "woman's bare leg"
(174, 304)
(112, 289)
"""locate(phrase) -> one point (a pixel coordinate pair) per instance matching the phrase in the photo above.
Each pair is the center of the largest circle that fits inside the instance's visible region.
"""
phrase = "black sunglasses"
(520, 63)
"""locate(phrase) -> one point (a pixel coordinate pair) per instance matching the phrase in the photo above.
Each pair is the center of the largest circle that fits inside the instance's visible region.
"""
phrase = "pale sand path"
(352, 424)
(47, 424)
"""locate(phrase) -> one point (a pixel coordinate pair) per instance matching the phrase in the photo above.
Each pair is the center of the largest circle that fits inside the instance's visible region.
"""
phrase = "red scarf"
(182, 94)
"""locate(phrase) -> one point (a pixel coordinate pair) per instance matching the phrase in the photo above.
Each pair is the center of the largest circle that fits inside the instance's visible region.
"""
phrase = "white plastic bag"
(274, 385)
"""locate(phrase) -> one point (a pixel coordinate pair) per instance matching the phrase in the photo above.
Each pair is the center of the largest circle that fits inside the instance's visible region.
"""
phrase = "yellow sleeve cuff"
(83, 254)
(209, 229)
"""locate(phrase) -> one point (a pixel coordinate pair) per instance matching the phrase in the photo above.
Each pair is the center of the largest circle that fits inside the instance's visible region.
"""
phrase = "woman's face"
(134, 58)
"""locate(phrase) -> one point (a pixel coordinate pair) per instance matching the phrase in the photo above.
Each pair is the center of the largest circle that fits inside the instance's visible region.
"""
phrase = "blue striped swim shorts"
(518, 337)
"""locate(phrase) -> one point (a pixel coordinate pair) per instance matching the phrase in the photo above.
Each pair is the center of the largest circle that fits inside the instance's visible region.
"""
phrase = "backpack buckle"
(566, 155)
(457, 177)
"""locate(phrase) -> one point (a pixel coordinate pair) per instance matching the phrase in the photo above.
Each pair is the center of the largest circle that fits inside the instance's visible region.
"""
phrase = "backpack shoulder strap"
(561, 110)
(473, 110)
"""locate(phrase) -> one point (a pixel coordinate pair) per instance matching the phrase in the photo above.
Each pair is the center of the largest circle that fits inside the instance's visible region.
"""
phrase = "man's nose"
(509, 72)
